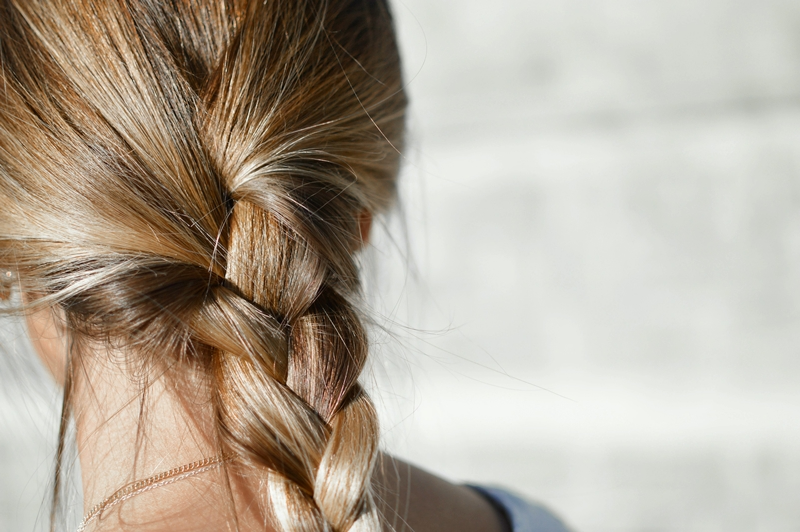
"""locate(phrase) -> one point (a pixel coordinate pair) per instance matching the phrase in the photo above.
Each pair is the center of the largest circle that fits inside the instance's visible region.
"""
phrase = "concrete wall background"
(603, 307)
(604, 202)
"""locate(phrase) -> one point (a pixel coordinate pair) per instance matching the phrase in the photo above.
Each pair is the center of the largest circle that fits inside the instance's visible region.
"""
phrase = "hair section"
(184, 180)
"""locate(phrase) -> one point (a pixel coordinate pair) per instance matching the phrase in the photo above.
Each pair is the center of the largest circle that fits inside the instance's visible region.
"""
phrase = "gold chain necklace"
(156, 481)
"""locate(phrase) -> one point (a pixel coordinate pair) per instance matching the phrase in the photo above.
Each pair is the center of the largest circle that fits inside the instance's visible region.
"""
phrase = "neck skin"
(125, 435)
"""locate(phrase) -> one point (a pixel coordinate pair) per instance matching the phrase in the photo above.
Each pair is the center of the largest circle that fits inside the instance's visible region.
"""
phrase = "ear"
(49, 339)
(364, 226)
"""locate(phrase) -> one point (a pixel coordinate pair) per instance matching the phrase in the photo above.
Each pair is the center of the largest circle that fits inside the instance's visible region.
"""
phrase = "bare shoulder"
(413, 500)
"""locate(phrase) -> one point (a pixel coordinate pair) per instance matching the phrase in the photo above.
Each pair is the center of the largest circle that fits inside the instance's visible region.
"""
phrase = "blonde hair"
(184, 179)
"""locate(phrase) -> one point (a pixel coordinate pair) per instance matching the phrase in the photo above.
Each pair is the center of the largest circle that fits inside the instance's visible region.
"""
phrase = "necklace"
(156, 481)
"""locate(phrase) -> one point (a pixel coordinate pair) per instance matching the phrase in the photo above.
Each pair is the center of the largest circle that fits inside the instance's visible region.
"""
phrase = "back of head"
(184, 179)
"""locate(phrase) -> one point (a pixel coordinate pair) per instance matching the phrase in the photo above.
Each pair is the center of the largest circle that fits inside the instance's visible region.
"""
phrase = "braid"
(295, 406)
(189, 189)
(290, 239)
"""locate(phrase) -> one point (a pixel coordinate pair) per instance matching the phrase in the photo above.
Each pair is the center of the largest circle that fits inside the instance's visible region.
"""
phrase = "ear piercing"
(6, 284)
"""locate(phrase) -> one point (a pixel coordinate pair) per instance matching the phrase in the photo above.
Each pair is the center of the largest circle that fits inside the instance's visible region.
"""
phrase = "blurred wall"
(604, 205)
(599, 301)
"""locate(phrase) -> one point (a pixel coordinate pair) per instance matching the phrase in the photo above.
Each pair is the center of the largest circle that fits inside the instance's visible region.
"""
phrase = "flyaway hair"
(184, 180)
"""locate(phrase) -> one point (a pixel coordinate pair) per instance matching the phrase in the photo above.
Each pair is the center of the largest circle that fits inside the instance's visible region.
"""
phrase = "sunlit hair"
(184, 180)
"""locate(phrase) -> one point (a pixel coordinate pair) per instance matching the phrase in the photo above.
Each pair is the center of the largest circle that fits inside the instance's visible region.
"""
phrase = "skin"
(108, 402)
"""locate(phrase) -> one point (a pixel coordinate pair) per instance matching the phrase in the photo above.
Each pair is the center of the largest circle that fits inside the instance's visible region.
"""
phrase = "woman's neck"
(129, 431)
(125, 435)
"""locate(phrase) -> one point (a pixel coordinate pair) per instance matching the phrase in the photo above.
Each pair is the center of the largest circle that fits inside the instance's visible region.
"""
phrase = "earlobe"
(7, 279)
(48, 338)
(364, 226)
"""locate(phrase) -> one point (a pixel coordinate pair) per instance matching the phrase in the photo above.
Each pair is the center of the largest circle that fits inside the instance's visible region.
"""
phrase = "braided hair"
(184, 180)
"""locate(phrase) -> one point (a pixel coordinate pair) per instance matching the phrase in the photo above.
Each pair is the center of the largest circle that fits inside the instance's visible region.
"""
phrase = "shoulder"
(411, 499)
(523, 515)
